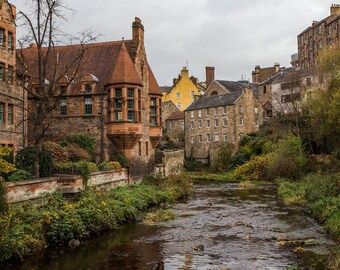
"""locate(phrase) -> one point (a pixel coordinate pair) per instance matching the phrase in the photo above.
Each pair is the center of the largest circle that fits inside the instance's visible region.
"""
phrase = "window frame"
(63, 107)
(88, 106)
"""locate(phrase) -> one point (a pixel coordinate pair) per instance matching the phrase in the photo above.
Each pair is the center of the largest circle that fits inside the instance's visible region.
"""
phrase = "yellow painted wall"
(184, 87)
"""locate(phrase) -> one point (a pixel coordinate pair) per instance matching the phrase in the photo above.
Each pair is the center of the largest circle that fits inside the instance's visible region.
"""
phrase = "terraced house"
(12, 97)
(114, 97)
(216, 120)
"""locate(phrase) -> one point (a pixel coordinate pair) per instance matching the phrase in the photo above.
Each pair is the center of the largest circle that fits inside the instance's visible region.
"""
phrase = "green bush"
(24, 160)
(288, 159)
(121, 159)
(321, 186)
(239, 158)
(3, 197)
(292, 192)
(46, 163)
(194, 166)
(83, 140)
(254, 169)
(20, 175)
(223, 159)
(109, 166)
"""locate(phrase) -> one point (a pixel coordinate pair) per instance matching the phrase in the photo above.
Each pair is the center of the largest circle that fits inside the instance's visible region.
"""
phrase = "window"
(179, 105)
(118, 104)
(199, 138)
(62, 89)
(216, 122)
(192, 139)
(9, 74)
(241, 109)
(153, 112)
(192, 93)
(192, 114)
(2, 37)
(208, 137)
(199, 113)
(2, 69)
(139, 148)
(131, 105)
(241, 121)
(178, 95)
(118, 115)
(225, 137)
(207, 113)
(192, 125)
(118, 93)
(256, 110)
(170, 124)
(241, 136)
(10, 114)
(146, 148)
(199, 124)
(225, 122)
(2, 110)
(216, 137)
(63, 107)
(264, 89)
(88, 88)
(131, 93)
(256, 121)
(225, 110)
(10, 41)
(131, 116)
(88, 105)
(208, 123)
(216, 111)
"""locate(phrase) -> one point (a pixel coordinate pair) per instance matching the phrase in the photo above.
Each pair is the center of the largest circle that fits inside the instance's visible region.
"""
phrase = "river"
(221, 226)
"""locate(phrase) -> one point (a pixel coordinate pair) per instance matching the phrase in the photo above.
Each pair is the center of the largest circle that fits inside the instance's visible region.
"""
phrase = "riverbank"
(27, 229)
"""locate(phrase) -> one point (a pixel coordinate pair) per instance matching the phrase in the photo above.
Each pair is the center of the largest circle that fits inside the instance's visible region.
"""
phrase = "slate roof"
(165, 89)
(110, 62)
(176, 116)
(231, 86)
(215, 101)
(294, 75)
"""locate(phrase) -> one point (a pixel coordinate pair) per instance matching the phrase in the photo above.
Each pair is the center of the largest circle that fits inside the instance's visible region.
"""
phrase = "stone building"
(183, 91)
(320, 35)
(261, 74)
(216, 120)
(12, 97)
(168, 108)
(115, 97)
(174, 129)
(291, 88)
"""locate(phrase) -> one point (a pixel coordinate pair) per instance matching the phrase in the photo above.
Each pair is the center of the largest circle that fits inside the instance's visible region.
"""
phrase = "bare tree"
(42, 82)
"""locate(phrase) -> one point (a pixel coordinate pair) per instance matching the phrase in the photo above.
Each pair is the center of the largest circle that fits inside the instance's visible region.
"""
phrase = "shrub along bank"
(26, 229)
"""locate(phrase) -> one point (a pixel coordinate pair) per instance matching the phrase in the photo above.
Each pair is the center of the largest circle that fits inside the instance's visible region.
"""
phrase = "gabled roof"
(153, 85)
(295, 75)
(231, 85)
(165, 89)
(110, 62)
(215, 101)
(124, 70)
(176, 116)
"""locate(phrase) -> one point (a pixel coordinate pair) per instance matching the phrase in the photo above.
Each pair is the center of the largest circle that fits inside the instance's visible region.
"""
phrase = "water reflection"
(220, 227)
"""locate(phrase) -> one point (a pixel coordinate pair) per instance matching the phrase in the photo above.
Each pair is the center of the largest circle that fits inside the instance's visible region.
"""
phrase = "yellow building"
(183, 91)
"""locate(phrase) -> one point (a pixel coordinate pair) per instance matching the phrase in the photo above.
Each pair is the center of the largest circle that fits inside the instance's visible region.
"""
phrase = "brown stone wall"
(175, 131)
(168, 108)
(215, 87)
(11, 96)
(220, 132)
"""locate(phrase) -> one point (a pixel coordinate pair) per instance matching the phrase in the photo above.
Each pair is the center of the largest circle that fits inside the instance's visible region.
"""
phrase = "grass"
(27, 229)
(159, 216)
(223, 177)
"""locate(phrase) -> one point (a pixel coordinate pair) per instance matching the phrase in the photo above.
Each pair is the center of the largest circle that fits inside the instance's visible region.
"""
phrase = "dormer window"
(88, 88)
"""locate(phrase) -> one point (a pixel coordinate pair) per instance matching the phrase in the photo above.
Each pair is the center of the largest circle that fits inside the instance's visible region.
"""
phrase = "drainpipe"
(101, 124)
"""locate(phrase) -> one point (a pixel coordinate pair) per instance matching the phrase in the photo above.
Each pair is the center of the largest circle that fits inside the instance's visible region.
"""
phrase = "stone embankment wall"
(66, 184)
(172, 163)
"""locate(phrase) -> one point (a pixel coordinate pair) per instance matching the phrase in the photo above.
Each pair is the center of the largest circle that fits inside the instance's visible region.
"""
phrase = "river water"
(221, 226)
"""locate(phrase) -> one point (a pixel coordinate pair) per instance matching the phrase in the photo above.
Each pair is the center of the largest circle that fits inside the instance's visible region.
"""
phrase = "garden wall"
(172, 163)
(67, 184)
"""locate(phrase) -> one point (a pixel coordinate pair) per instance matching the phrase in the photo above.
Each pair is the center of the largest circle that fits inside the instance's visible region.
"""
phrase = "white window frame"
(216, 110)
(241, 121)
(225, 122)
(191, 124)
(199, 123)
(216, 123)
(192, 114)
(208, 123)
(216, 137)
(208, 138)
(199, 113)
(207, 112)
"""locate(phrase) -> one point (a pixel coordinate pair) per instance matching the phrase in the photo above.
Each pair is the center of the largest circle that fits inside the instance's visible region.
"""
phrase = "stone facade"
(115, 97)
(318, 36)
(168, 108)
(213, 121)
(12, 97)
(172, 163)
(174, 129)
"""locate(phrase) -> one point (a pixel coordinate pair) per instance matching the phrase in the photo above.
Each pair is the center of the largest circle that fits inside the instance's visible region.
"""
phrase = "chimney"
(256, 74)
(335, 9)
(209, 75)
(277, 67)
(137, 36)
(185, 72)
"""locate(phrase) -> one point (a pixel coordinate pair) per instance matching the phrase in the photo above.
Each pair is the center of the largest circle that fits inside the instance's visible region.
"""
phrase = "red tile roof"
(110, 62)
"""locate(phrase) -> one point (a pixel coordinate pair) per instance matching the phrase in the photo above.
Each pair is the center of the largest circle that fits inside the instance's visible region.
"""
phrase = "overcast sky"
(231, 35)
